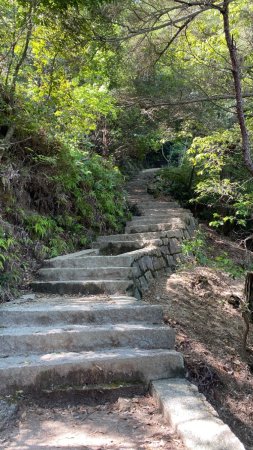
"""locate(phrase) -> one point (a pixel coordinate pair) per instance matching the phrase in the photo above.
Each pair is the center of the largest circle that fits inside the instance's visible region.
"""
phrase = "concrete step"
(120, 311)
(126, 246)
(139, 193)
(164, 220)
(145, 212)
(81, 254)
(148, 220)
(47, 371)
(128, 237)
(173, 223)
(120, 247)
(161, 215)
(192, 417)
(67, 273)
(88, 287)
(156, 205)
(158, 217)
(69, 338)
(91, 262)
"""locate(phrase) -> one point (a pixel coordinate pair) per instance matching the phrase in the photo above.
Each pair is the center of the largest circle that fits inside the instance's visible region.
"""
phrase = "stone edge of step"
(37, 371)
(192, 417)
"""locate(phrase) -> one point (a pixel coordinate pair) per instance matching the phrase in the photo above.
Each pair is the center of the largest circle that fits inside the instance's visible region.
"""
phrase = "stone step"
(47, 371)
(157, 205)
(83, 253)
(68, 273)
(173, 223)
(142, 237)
(119, 247)
(158, 220)
(121, 310)
(137, 182)
(88, 287)
(169, 220)
(91, 262)
(192, 417)
(158, 217)
(138, 196)
(126, 246)
(164, 213)
(155, 211)
(69, 338)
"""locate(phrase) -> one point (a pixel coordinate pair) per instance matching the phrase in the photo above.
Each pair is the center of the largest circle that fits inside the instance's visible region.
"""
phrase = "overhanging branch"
(148, 104)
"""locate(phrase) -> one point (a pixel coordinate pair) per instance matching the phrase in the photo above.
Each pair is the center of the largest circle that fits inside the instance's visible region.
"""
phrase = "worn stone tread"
(80, 273)
(89, 262)
(90, 287)
(28, 372)
(125, 309)
(63, 337)
(192, 416)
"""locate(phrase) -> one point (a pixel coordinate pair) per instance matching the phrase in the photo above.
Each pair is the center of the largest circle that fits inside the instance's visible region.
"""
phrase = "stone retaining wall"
(151, 261)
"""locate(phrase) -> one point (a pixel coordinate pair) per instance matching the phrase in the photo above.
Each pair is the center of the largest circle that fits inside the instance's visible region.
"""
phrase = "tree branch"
(195, 100)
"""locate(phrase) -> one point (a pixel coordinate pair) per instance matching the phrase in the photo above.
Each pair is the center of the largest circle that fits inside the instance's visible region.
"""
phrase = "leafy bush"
(221, 181)
(9, 265)
(213, 179)
(59, 197)
(196, 248)
(197, 251)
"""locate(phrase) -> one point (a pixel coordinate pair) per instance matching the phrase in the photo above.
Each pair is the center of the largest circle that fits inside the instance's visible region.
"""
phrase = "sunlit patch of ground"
(131, 424)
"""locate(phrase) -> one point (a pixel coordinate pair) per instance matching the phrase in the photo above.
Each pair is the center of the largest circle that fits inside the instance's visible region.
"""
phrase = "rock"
(149, 277)
(174, 246)
(144, 284)
(148, 262)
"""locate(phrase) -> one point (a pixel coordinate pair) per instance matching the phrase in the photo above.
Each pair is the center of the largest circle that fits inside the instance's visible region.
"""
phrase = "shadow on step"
(118, 248)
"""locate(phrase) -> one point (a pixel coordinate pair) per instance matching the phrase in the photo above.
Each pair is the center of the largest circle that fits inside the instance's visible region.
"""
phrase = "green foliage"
(222, 182)
(81, 192)
(10, 273)
(176, 181)
(177, 178)
(39, 226)
(5, 244)
(212, 178)
(223, 262)
(196, 250)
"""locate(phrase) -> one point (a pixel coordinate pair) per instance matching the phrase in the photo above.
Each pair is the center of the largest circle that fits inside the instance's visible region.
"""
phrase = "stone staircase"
(106, 336)
(123, 263)
(103, 334)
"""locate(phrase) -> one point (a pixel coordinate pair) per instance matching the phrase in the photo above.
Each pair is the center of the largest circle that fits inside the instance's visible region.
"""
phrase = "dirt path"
(208, 332)
(131, 424)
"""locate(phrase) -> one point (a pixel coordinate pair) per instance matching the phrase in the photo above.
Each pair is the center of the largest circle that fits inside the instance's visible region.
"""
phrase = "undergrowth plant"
(64, 198)
(10, 274)
(197, 252)
(212, 180)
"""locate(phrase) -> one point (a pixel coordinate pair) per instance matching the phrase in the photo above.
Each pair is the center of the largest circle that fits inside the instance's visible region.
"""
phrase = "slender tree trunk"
(236, 71)
(247, 310)
(24, 51)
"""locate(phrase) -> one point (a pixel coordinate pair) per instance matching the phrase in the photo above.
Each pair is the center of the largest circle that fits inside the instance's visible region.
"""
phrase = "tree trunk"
(247, 312)
(236, 71)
